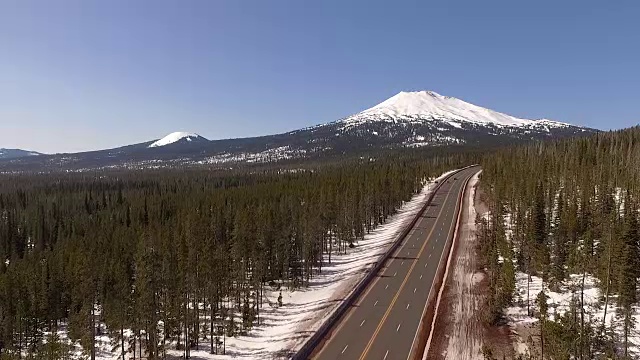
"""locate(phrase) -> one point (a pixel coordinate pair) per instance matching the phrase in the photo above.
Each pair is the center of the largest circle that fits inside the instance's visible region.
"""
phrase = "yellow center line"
(386, 314)
(333, 334)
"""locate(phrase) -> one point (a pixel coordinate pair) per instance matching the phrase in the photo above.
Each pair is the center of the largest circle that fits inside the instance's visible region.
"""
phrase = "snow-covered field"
(274, 154)
(436, 140)
(285, 328)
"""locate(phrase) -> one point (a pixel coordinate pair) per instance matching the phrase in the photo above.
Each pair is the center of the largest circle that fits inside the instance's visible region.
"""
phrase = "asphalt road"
(384, 321)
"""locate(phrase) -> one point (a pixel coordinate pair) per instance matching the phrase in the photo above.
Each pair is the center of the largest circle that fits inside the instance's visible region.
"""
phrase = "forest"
(174, 257)
(160, 258)
(564, 208)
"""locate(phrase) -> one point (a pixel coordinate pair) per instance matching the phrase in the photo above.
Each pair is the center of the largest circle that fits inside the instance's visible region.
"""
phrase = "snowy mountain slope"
(428, 105)
(176, 137)
(16, 153)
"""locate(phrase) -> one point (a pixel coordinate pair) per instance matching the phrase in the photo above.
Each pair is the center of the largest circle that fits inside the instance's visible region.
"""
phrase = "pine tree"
(543, 308)
(629, 270)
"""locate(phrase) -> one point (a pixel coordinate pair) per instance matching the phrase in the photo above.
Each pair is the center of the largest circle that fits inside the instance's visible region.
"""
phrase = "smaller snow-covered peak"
(175, 137)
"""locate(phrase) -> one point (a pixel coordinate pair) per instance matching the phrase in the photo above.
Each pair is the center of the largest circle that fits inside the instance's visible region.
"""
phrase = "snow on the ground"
(435, 140)
(464, 329)
(559, 303)
(274, 154)
(284, 329)
(174, 137)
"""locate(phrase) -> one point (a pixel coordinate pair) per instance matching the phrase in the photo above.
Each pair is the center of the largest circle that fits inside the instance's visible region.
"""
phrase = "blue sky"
(82, 75)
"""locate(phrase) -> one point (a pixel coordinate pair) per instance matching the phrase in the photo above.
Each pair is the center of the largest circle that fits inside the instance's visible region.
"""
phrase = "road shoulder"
(461, 332)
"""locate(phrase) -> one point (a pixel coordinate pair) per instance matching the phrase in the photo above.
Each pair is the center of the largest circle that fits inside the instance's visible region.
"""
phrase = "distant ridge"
(16, 153)
(408, 119)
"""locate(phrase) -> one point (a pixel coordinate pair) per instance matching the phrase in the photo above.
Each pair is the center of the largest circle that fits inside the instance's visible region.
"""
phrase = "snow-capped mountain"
(431, 106)
(16, 153)
(426, 118)
(177, 138)
(407, 119)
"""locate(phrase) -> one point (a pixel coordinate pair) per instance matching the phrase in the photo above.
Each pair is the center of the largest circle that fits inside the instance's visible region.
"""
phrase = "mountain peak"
(178, 136)
(429, 105)
(418, 93)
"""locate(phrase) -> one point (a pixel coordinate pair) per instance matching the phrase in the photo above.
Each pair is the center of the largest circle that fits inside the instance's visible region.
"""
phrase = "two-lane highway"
(384, 321)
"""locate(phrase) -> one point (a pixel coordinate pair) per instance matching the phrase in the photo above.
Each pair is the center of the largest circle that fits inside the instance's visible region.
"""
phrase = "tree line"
(572, 207)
